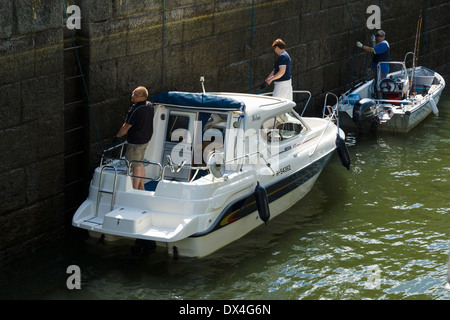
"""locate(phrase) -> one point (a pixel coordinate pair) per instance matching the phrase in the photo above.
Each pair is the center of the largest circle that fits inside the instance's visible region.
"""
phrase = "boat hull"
(405, 122)
(400, 122)
(282, 195)
(398, 115)
(237, 219)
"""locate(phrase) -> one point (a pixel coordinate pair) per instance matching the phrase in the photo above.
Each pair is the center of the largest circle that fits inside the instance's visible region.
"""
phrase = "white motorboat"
(218, 166)
(404, 99)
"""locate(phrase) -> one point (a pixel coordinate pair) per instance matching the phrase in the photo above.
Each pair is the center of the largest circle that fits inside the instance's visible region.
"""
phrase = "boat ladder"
(100, 190)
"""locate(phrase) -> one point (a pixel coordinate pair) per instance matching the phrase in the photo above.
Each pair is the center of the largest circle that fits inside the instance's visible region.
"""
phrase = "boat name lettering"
(256, 117)
(283, 170)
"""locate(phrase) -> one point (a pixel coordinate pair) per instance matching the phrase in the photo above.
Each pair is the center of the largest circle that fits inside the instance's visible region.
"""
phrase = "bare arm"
(278, 75)
(123, 130)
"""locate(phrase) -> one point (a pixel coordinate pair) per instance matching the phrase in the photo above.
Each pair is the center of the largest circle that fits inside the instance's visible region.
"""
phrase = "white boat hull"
(202, 245)
(399, 116)
(405, 122)
(182, 231)
(192, 214)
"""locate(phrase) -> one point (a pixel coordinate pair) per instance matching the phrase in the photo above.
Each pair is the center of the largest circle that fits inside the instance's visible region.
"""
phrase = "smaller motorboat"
(218, 166)
(400, 102)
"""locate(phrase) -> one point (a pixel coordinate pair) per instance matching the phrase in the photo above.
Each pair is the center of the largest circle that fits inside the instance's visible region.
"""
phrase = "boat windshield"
(282, 127)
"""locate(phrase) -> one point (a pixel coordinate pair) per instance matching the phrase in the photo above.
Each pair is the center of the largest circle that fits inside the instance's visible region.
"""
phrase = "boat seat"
(216, 122)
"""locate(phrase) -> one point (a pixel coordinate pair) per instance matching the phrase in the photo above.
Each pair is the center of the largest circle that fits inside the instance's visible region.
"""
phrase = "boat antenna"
(202, 80)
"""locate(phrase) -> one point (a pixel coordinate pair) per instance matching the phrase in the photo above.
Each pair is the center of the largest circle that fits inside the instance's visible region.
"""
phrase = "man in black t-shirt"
(139, 129)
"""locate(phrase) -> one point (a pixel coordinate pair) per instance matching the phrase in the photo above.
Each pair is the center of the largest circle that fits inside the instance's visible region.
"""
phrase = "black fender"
(262, 203)
(342, 149)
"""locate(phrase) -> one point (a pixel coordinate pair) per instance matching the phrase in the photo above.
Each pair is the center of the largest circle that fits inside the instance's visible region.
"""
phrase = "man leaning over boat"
(381, 50)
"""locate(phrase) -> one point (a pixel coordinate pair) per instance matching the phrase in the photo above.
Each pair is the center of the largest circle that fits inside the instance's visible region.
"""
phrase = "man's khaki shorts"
(136, 152)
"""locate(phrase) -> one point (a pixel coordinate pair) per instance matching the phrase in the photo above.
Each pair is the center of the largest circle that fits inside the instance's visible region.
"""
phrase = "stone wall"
(31, 124)
(126, 43)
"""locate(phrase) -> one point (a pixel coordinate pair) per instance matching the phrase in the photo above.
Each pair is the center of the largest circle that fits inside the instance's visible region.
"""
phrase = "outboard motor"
(364, 113)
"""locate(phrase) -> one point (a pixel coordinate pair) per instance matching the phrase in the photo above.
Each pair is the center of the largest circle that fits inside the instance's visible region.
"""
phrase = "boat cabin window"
(177, 128)
(282, 127)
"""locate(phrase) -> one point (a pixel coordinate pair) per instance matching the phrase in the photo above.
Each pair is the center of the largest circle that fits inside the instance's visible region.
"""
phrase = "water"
(378, 231)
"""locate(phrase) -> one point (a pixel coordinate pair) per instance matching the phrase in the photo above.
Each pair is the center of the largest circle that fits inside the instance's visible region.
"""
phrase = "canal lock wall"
(64, 92)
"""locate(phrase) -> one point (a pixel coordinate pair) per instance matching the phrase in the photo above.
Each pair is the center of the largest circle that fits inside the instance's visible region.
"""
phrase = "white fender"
(434, 106)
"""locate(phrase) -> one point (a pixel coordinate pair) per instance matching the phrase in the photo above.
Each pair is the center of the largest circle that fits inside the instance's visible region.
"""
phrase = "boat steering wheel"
(277, 136)
(387, 85)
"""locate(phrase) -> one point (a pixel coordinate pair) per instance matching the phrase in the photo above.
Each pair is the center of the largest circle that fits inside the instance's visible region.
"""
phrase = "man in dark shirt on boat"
(139, 129)
(381, 50)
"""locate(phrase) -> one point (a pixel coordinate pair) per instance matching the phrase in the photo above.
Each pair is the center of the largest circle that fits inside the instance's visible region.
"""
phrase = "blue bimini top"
(197, 101)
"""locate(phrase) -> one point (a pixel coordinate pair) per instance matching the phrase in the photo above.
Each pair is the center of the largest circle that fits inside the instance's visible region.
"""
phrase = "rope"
(356, 38)
(84, 80)
(163, 46)
(251, 49)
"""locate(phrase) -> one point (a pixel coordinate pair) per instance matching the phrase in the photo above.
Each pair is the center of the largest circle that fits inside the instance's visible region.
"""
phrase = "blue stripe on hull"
(247, 205)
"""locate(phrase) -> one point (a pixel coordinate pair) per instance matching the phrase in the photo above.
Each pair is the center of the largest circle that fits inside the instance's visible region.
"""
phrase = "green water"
(378, 231)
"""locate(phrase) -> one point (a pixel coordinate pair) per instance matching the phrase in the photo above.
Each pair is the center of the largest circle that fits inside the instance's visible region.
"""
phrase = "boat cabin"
(196, 134)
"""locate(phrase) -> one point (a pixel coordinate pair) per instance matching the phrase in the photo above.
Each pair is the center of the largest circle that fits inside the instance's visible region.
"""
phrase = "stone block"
(144, 39)
(41, 96)
(263, 14)
(51, 142)
(179, 62)
(128, 8)
(198, 28)
(224, 5)
(291, 31)
(109, 116)
(307, 23)
(24, 227)
(232, 20)
(299, 58)
(10, 114)
(22, 143)
(335, 19)
(6, 18)
(49, 60)
(102, 80)
(142, 69)
(234, 77)
(35, 15)
(313, 54)
(313, 81)
(331, 78)
(44, 179)
(329, 4)
(16, 59)
(93, 11)
(12, 187)
(106, 39)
